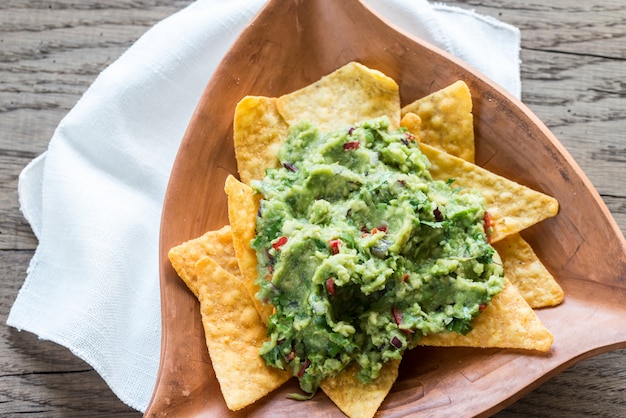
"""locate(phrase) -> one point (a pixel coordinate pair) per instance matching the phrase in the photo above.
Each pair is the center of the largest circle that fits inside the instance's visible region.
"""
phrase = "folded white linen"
(94, 198)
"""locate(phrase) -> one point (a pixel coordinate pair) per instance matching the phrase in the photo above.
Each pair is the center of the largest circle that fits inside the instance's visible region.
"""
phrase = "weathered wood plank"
(40, 377)
(595, 28)
(50, 52)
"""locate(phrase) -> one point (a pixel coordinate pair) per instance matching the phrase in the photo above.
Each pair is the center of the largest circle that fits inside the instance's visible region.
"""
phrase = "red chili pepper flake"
(374, 231)
(334, 246)
(279, 243)
(351, 130)
(405, 278)
(352, 145)
(409, 136)
(382, 228)
(482, 307)
(397, 317)
(330, 286)
(305, 365)
(487, 225)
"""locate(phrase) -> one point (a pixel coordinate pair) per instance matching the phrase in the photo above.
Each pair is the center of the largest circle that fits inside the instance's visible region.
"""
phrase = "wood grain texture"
(50, 52)
(573, 72)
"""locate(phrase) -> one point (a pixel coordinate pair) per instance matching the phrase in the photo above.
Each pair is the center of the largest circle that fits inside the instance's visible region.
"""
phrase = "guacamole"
(362, 253)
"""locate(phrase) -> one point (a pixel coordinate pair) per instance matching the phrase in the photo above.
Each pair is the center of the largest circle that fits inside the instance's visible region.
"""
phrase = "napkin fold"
(94, 198)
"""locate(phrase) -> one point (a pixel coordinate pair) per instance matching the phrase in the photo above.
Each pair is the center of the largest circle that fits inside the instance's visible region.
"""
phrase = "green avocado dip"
(362, 253)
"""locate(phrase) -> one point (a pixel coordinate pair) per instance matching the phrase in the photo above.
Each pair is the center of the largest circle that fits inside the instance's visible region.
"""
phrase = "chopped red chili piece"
(405, 278)
(397, 317)
(487, 225)
(305, 365)
(350, 130)
(409, 136)
(279, 243)
(482, 307)
(381, 228)
(334, 246)
(351, 145)
(330, 286)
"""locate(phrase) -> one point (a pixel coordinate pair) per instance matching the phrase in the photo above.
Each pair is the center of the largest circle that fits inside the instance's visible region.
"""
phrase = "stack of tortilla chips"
(220, 267)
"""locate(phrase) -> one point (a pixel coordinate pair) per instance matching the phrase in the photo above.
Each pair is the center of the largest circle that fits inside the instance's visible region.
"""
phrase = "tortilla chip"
(507, 322)
(527, 273)
(216, 244)
(511, 206)
(234, 334)
(243, 205)
(349, 95)
(447, 120)
(258, 132)
(357, 399)
(412, 123)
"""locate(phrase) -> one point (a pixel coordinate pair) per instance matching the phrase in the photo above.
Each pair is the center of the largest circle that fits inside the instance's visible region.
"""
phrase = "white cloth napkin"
(94, 197)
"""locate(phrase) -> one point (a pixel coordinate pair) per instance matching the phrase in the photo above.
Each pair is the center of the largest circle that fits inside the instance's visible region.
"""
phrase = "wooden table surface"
(574, 79)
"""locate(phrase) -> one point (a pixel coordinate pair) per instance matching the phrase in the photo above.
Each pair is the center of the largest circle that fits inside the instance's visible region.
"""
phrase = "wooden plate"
(293, 43)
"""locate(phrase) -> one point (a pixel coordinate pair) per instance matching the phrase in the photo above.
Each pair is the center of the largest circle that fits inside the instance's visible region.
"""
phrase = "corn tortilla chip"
(356, 399)
(243, 205)
(507, 322)
(511, 206)
(527, 273)
(412, 123)
(446, 120)
(351, 94)
(234, 333)
(215, 244)
(258, 132)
